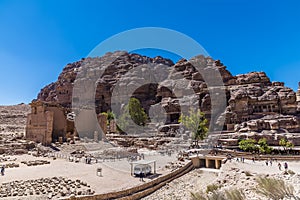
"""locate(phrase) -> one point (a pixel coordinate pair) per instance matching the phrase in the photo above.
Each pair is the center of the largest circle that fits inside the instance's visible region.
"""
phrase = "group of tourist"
(285, 165)
(269, 162)
(88, 160)
(242, 159)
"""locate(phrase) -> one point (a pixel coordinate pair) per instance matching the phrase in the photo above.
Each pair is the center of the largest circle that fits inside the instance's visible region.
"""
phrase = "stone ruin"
(253, 102)
(47, 122)
(12, 130)
(45, 188)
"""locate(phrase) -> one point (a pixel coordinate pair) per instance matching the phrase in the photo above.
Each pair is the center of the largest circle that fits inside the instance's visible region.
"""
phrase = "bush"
(231, 194)
(247, 173)
(198, 196)
(291, 172)
(248, 145)
(212, 188)
(274, 188)
(263, 146)
(235, 194)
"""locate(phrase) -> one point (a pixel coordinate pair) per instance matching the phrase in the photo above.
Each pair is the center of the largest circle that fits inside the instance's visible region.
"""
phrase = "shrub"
(274, 188)
(232, 194)
(291, 172)
(212, 188)
(198, 196)
(235, 194)
(247, 173)
(248, 145)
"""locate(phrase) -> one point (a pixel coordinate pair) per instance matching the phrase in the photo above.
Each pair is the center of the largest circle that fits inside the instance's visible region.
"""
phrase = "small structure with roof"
(143, 162)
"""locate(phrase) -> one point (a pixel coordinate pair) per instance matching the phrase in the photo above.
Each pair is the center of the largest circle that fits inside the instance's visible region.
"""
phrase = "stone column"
(113, 126)
(206, 162)
(60, 140)
(103, 122)
(217, 164)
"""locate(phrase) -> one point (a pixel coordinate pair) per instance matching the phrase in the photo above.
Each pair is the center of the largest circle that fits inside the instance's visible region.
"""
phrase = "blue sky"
(38, 38)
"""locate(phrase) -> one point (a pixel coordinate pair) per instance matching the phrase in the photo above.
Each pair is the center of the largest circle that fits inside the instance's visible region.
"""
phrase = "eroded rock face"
(249, 97)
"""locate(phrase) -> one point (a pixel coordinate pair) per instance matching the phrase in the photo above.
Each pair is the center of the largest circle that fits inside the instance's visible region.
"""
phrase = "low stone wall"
(140, 190)
(249, 155)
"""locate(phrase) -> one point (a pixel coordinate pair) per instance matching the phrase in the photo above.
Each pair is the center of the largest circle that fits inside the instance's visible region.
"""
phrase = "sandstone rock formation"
(252, 101)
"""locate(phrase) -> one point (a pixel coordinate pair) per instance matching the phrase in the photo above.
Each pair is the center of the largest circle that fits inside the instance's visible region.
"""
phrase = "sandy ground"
(115, 174)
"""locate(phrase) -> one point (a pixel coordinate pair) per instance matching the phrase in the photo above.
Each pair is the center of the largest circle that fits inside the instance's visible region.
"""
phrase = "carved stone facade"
(47, 122)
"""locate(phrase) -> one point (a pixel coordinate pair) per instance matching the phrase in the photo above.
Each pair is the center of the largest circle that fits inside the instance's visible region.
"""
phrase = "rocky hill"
(12, 130)
(253, 102)
(13, 118)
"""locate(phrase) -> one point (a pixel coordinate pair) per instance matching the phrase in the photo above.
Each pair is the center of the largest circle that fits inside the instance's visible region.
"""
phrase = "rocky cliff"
(253, 102)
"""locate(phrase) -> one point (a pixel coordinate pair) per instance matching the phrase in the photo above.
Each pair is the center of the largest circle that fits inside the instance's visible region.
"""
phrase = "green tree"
(282, 142)
(289, 144)
(137, 112)
(195, 121)
(286, 145)
(133, 111)
(110, 116)
(263, 146)
(248, 145)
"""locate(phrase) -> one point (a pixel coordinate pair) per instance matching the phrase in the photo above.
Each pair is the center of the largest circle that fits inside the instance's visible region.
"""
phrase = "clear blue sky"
(38, 38)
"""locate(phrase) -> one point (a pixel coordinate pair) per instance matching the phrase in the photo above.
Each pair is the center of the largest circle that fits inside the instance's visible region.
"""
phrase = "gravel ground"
(232, 175)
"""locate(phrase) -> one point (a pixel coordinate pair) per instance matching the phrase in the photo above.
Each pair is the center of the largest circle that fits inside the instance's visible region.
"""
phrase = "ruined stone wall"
(39, 125)
(47, 122)
(59, 122)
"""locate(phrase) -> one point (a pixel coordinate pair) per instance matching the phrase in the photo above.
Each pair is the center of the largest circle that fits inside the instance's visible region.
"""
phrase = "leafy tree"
(289, 144)
(263, 146)
(286, 144)
(248, 145)
(196, 122)
(136, 112)
(110, 116)
(282, 142)
(132, 111)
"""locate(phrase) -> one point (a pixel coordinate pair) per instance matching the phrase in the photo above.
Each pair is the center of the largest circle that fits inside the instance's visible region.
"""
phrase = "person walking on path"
(279, 166)
(286, 166)
(2, 170)
(141, 176)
